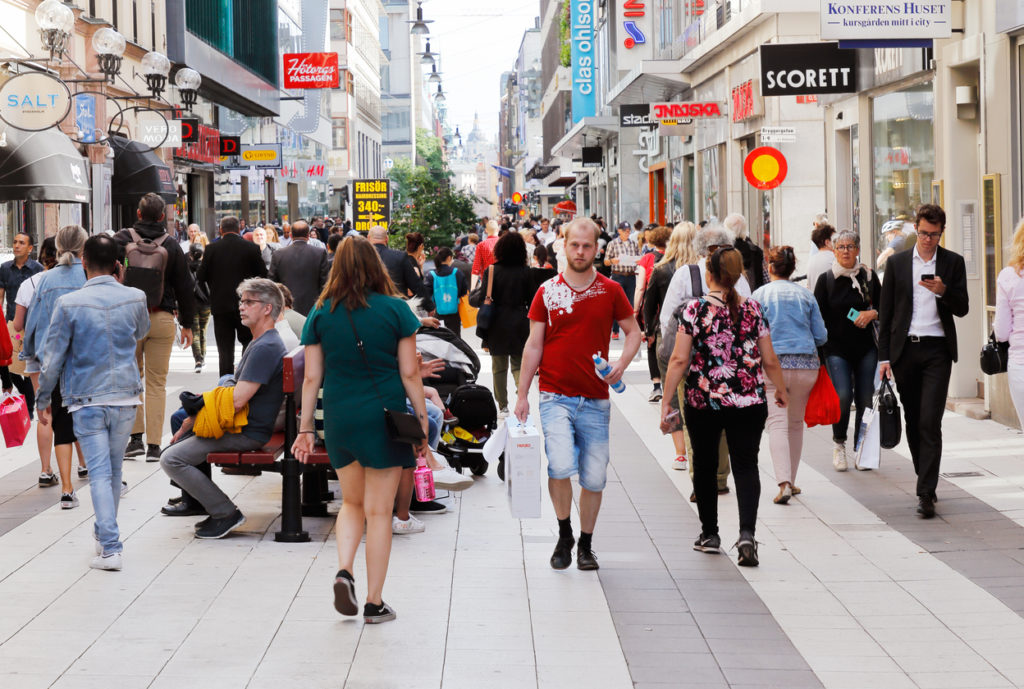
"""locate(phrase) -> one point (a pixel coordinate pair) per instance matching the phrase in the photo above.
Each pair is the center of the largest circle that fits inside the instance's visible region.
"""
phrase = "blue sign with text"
(584, 73)
(85, 117)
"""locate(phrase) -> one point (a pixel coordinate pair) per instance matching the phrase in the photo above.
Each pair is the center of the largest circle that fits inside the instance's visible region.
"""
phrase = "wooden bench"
(303, 485)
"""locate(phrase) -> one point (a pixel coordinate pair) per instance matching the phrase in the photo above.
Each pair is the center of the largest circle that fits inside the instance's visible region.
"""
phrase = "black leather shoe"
(183, 509)
(585, 559)
(926, 506)
(562, 557)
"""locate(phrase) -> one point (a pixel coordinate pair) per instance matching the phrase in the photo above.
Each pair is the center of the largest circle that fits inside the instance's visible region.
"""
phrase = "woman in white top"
(1009, 323)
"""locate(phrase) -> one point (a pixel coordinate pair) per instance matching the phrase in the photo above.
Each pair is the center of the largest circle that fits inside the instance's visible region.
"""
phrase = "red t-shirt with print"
(579, 325)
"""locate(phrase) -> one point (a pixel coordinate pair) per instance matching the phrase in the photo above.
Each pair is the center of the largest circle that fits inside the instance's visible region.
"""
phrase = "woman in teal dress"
(359, 298)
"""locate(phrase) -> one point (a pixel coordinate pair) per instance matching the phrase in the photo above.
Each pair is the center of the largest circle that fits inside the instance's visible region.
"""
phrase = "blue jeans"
(855, 382)
(103, 434)
(576, 438)
(434, 417)
(628, 283)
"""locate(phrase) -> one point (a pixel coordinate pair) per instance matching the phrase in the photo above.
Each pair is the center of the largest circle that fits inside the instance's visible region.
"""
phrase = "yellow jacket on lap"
(218, 415)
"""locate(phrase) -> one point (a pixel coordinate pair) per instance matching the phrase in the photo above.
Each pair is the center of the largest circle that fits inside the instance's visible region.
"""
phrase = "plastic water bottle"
(423, 479)
(603, 368)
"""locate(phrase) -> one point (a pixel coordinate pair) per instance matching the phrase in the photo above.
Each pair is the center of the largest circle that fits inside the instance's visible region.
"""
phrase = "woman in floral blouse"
(722, 347)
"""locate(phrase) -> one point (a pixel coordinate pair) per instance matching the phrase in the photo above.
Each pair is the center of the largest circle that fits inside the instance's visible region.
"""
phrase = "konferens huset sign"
(863, 20)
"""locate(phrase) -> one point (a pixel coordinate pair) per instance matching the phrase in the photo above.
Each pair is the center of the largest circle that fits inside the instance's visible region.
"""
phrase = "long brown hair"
(357, 270)
(726, 266)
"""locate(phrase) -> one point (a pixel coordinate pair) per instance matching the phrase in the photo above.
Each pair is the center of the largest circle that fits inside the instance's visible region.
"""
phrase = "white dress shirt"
(924, 320)
(680, 289)
(819, 263)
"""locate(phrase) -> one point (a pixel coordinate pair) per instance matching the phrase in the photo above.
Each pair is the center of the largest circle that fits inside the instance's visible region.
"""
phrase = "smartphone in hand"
(927, 276)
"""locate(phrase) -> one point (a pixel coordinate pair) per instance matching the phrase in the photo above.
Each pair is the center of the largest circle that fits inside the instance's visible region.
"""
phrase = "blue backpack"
(446, 294)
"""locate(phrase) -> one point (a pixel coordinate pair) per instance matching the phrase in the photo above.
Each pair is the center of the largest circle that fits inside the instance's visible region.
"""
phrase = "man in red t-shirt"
(484, 256)
(570, 321)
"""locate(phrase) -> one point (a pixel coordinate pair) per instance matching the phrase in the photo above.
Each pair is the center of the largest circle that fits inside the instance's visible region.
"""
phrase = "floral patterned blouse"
(725, 361)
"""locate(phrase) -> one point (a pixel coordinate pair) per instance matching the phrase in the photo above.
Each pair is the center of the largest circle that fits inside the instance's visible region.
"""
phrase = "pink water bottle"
(423, 478)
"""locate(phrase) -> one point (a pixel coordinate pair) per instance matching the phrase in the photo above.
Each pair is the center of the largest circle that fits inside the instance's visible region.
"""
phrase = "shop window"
(350, 87)
(339, 129)
(338, 25)
(903, 139)
(992, 236)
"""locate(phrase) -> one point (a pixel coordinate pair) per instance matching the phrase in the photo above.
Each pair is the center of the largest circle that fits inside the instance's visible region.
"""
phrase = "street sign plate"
(778, 135)
(372, 203)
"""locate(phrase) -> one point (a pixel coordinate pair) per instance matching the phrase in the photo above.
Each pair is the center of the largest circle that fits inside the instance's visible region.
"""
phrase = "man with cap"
(621, 255)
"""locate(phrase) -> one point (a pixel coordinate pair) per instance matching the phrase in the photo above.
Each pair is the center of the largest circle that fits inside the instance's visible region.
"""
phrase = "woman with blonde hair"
(272, 237)
(1009, 322)
(360, 343)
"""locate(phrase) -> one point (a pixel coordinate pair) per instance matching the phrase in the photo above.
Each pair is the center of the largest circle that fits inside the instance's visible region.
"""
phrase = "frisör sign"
(311, 71)
(34, 101)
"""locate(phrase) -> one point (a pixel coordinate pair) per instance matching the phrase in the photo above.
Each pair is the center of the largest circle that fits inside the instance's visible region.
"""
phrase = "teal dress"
(354, 427)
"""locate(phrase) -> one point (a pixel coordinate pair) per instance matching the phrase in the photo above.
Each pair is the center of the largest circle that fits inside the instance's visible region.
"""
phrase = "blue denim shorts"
(576, 438)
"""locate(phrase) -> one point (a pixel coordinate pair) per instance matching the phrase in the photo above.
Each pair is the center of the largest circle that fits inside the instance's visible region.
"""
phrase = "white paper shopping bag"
(523, 469)
(869, 449)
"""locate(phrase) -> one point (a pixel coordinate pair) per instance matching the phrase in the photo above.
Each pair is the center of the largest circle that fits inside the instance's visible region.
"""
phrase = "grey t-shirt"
(263, 362)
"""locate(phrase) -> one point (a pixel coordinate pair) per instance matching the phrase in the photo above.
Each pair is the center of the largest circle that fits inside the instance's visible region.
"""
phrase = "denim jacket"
(91, 344)
(54, 284)
(793, 317)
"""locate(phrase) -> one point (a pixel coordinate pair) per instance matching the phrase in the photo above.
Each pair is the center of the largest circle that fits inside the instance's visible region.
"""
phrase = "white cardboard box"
(523, 470)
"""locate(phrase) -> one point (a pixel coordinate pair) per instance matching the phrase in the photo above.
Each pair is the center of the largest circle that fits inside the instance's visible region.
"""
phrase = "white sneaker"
(679, 463)
(99, 546)
(409, 526)
(839, 457)
(110, 562)
(449, 479)
(503, 413)
(68, 501)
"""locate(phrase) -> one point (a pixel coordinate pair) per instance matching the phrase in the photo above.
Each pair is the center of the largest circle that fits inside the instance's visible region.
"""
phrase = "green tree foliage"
(565, 48)
(423, 198)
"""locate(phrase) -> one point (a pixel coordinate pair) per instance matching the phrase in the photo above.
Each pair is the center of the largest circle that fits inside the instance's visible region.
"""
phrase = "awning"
(652, 81)
(571, 144)
(41, 166)
(137, 172)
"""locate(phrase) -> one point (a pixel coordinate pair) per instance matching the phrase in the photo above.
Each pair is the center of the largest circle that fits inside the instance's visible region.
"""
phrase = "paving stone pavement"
(853, 591)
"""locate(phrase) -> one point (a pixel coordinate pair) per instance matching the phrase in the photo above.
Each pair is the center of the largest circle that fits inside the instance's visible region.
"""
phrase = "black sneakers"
(47, 480)
(430, 507)
(152, 453)
(708, 544)
(375, 614)
(220, 527)
(748, 550)
(135, 447)
(585, 559)
(926, 506)
(83, 472)
(345, 594)
(562, 557)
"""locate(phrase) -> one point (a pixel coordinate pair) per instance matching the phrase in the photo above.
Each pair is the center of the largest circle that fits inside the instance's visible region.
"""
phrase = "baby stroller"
(461, 443)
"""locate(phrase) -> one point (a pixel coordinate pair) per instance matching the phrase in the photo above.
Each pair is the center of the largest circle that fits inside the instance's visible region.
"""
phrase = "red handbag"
(14, 421)
(823, 404)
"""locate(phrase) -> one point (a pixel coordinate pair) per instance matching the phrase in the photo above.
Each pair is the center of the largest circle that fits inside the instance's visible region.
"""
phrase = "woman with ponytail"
(67, 276)
(797, 331)
(721, 348)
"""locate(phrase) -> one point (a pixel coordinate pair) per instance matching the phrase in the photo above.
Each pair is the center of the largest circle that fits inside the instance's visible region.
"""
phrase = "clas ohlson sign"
(862, 20)
(584, 72)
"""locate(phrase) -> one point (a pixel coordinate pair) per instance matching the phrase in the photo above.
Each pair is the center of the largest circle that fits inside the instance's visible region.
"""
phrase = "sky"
(477, 41)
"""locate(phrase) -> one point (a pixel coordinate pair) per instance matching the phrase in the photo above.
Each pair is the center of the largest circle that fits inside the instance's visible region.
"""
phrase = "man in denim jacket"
(90, 345)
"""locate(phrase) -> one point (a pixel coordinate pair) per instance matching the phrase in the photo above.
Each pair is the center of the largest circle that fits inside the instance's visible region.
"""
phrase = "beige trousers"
(153, 355)
(786, 426)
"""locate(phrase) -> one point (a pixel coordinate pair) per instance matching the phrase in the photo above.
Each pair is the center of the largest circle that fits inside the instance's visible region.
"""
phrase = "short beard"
(573, 268)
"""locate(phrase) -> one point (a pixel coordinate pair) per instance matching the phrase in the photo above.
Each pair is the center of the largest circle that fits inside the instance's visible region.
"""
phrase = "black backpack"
(668, 337)
(145, 266)
(474, 405)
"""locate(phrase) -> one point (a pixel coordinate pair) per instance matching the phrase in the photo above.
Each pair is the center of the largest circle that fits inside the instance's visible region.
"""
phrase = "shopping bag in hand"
(467, 313)
(890, 430)
(868, 449)
(14, 421)
(823, 404)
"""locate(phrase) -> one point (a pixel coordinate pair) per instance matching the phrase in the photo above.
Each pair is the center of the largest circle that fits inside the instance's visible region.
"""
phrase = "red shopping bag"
(823, 404)
(14, 421)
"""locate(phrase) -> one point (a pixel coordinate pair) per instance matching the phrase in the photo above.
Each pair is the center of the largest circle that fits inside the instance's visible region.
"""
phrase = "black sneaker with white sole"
(221, 526)
(47, 480)
(68, 501)
(430, 507)
(152, 453)
(375, 614)
(83, 472)
(747, 548)
(135, 447)
(345, 594)
(708, 544)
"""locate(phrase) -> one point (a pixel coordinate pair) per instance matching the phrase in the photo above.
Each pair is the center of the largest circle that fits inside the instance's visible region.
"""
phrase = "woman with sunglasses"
(848, 297)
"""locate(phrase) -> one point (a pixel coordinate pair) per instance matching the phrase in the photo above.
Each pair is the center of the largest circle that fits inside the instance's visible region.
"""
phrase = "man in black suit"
(225, 264)
(398, 264)
(924, 289)
(301, 267)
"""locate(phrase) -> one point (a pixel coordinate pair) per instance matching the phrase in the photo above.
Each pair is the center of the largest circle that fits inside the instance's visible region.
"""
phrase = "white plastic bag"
(869, 449)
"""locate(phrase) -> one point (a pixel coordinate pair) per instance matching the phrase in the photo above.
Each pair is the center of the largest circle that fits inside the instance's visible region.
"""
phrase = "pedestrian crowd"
(735, 346)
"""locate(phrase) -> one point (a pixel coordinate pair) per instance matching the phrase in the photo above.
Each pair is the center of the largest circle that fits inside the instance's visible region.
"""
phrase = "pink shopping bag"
(14, 421)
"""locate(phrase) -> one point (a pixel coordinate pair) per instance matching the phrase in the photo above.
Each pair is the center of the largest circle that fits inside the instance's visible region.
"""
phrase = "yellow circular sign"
(765, 168)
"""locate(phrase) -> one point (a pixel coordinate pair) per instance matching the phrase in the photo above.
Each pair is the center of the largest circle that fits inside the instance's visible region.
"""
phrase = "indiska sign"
(684, 111)
(311, 71)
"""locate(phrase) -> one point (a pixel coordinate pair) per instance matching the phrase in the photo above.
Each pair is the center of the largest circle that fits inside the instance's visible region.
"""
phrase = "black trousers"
(453, 322)
(226, 328)
(743, 427)
(922, 379)
(23, 384)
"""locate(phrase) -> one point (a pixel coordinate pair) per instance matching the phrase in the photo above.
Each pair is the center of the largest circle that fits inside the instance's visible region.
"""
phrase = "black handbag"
(485, 305)
(402, 426)
(890, 428)
(994, 356)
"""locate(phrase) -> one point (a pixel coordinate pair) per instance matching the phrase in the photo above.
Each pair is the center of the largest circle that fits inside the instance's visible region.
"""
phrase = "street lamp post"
(56, 21)
(155, 68)
(109, 46)
(188, 81)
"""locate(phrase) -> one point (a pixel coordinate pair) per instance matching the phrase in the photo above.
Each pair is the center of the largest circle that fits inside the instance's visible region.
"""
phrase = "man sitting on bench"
(258, 385)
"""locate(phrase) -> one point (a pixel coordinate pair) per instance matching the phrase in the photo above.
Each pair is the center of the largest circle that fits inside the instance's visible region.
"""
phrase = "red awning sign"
(765, 168)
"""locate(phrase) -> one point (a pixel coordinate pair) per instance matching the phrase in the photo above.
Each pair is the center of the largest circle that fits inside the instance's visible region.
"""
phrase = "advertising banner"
(85, 117)
(34, 101)
(634, 20)
(371, 201)
(635, 115)
(791, 69)
(311, 71)
(259, 156)
(582, 59)
(867, 20)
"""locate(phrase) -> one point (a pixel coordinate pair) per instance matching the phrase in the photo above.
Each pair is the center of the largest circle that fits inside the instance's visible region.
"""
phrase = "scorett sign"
(791, 69)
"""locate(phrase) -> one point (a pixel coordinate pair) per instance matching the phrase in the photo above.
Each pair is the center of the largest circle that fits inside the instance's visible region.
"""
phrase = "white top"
(818, 264)
(287, 334)
(546, 238)
(924, 321)
(28, 290)
(1009, 323)
(680, 289)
